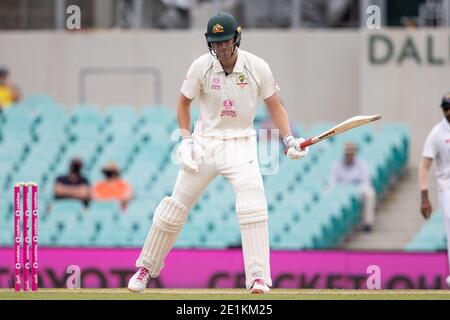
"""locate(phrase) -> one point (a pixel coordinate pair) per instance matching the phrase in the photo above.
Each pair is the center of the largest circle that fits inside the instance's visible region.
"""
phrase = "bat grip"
(306, 143)
(302, 145)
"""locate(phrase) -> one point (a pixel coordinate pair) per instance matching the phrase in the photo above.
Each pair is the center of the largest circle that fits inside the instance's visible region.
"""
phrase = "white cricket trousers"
(235, 159)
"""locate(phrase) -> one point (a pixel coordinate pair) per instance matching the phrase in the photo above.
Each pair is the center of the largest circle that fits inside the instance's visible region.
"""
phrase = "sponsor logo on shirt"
(242, 81)
(215, 84)
(228, 109)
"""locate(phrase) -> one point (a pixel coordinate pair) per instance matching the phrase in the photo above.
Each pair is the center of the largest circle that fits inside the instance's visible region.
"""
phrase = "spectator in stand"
(9, 93)
(113, 187)
(73, 185)
(354, 171)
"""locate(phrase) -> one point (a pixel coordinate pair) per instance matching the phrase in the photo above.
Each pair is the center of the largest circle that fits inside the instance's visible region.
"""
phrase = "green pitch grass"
(224, 294)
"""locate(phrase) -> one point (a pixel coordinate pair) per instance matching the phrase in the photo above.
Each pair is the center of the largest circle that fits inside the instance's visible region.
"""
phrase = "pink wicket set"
(23, 281)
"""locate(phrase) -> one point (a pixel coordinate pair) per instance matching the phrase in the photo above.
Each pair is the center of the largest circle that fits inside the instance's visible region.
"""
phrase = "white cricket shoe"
(139, 280)
(448, 281)
(259, 287)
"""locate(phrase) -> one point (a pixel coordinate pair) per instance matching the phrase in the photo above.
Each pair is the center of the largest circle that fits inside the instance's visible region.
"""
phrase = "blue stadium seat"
(104, 207)
(190, 237)
(67, 207)
(85, 113)
(430, 237)
(6, 234)
(120, 115)
(75, 237)
(39, 98)
(51, 112)
(158, 115)
(112, 234)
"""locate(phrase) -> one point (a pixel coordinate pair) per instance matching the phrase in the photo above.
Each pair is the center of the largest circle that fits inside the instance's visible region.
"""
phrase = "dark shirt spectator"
(73, 185)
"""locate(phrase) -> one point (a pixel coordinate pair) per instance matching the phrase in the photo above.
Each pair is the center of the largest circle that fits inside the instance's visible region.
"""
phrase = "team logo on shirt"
(228, 109)
(215, 84)
(242, 81)
(217, 29)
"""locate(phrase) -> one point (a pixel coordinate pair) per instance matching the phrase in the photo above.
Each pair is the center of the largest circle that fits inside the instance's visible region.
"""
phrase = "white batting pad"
(251, 204)
(170, 217)
(255, 247)
(251, 210)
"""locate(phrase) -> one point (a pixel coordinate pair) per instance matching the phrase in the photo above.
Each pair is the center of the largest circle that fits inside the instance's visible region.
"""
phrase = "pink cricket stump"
(17, 264)
(26, 239)
(34, 236)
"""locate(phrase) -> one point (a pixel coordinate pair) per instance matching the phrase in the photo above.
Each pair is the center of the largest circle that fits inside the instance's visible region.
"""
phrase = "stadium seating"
(431, 237)
(38, 137)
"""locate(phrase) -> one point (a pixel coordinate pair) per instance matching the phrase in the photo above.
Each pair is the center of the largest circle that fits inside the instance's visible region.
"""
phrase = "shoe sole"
(257, 291)
(135, 291)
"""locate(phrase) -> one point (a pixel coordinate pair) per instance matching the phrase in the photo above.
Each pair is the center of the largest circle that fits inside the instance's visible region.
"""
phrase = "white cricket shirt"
(228, 103)
(437, 147)
(356, 174)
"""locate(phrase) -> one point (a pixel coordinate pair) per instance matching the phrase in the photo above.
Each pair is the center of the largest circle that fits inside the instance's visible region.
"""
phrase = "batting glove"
(293, 148)
(188, 152)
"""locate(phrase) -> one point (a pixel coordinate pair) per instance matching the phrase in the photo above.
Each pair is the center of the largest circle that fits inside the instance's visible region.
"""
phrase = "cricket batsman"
(228, 82)
(437, 148)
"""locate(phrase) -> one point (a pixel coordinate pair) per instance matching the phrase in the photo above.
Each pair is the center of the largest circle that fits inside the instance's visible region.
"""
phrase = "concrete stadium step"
(397, 216)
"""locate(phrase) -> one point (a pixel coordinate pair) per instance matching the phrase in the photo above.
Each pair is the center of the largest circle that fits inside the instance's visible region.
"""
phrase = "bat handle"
(306, 143)
(302, 145)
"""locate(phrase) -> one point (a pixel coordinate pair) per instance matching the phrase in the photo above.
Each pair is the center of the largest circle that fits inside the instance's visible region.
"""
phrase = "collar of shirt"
(238, 67)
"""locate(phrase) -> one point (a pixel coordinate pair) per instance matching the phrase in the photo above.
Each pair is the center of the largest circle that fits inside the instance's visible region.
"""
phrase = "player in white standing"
(228, 82)
(437, 147)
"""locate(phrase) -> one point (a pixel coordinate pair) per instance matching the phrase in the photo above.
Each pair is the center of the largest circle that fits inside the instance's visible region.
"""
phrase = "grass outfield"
(223, 294)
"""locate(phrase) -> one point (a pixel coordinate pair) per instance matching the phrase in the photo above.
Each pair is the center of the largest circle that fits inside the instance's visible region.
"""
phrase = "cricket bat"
(348, 124)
